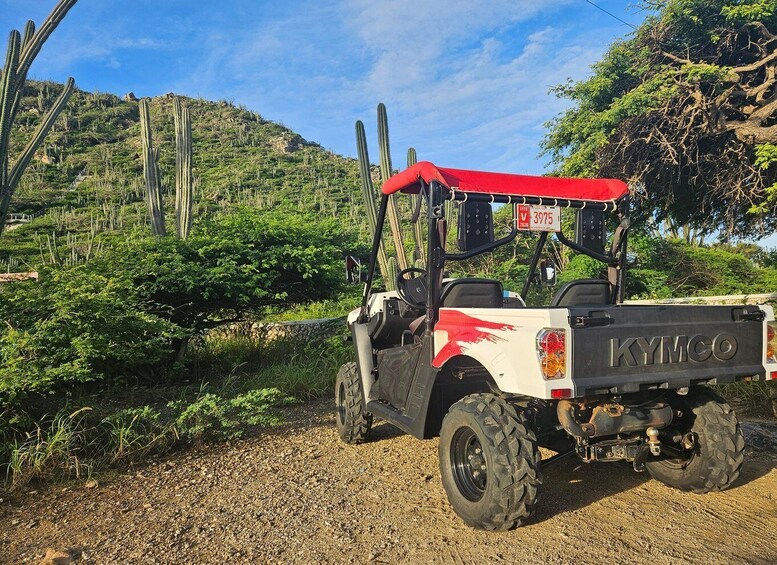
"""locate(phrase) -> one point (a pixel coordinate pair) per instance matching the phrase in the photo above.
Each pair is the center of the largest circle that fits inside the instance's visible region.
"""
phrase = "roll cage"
(436, 185)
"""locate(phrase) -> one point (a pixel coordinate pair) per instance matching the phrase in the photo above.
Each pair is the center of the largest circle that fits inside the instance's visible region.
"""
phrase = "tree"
(244, 262)
(20, 55)
(130, 311)
(687, 108)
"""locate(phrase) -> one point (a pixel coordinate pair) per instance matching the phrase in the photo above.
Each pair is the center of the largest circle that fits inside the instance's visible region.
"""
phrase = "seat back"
(472, 293)
(585, 292)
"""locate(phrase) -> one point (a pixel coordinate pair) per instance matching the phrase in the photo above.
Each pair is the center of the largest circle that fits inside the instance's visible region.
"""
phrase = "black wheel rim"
(468, 463)
(341, 403)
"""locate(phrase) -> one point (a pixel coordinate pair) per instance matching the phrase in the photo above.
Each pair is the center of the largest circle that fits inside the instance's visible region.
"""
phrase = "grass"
(234, 385)
(50, 451)
(752, 398)
(302, 364)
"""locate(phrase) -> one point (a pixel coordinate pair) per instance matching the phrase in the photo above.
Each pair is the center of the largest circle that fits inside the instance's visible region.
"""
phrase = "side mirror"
(590, 230)
(547, 272)
(353, 270)
(475, 225)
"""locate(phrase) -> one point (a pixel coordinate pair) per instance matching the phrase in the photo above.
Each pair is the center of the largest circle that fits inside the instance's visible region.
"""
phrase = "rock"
(56, 557)
(288, 143)
(91, 483)
(45, 159)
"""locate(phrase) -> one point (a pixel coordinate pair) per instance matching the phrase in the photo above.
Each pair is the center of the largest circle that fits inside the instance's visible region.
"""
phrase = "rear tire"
(715, 457)
(489, 463)
(353, 420)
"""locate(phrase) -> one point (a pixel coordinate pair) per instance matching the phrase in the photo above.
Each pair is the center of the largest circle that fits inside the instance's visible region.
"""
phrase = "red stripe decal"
(464, 330)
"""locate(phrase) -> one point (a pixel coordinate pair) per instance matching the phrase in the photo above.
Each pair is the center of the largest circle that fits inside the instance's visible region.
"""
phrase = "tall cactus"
(392, 271)
(22, 51)
(151, 172)
(368, 192)
(184, 187)
(412, 157)
(418, 226)
(385, 174)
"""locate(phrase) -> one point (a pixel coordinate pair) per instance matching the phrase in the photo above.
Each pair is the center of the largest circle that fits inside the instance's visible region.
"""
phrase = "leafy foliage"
(123, 313)
(211, 416)
(247, 261)
(685, 107)
(76, 325)
(671, 268)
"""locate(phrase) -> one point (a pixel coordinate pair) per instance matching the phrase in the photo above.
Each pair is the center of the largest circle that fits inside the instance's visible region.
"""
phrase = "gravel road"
(297, 494)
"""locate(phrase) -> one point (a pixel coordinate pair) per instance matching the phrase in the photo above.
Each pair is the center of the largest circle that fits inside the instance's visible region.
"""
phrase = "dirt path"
(296, 494)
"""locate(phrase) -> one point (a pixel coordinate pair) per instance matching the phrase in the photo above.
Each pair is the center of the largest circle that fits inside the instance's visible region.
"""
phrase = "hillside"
(86, 181)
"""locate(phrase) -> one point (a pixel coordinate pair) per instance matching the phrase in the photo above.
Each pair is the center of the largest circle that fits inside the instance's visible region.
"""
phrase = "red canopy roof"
(598, 190)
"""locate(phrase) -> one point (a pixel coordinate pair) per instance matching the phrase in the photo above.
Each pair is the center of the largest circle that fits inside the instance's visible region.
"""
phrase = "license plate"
(538, 218)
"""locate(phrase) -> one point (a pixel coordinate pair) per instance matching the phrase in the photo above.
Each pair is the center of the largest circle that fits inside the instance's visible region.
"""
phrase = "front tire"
(489, 463)
(714, 445)
(353, 420)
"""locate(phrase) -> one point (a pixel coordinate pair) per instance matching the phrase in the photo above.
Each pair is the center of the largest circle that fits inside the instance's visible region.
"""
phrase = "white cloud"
(453, 86)
(466, 83)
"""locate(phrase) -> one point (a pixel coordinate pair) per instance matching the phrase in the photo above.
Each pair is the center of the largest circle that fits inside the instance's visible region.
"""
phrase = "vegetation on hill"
(87, 177)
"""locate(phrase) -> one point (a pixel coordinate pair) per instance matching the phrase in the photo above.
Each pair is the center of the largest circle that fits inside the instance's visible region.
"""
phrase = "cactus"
(418, 227)
(368, 192)
(151, 172)
(385, 174)
(184, 188)
(451, 217)
(392, 273)
(22, 51)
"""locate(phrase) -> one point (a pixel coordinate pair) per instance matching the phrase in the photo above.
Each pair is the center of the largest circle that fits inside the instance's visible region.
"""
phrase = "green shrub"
(73, 326)
(212, 416)
(128, 313)
(248, 261)
(664, 268)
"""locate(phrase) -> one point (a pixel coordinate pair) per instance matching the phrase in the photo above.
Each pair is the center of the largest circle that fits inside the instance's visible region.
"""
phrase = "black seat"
(585, 292)
(472, 293)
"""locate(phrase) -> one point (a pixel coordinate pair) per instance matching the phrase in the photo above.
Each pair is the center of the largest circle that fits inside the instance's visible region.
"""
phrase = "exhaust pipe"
(566, 417)
(611, 419)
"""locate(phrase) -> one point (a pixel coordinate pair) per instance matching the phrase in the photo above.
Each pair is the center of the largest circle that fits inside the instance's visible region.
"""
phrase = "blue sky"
(465, 83)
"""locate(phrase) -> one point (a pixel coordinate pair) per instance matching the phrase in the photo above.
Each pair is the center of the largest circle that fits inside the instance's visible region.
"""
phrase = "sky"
(466, 83)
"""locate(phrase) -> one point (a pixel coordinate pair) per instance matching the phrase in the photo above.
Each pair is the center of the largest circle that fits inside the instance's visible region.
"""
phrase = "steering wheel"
(412, 291)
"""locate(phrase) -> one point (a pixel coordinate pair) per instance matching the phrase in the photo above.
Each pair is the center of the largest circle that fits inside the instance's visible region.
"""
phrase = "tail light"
(771, 342)
(551, 350)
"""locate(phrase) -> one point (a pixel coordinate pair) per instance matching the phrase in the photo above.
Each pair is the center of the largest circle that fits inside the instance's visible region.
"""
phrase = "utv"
(585, 376)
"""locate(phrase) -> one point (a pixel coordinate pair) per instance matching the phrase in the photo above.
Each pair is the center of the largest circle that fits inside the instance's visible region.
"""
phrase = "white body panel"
(770, 368)
(504, 341)
(374, 305)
